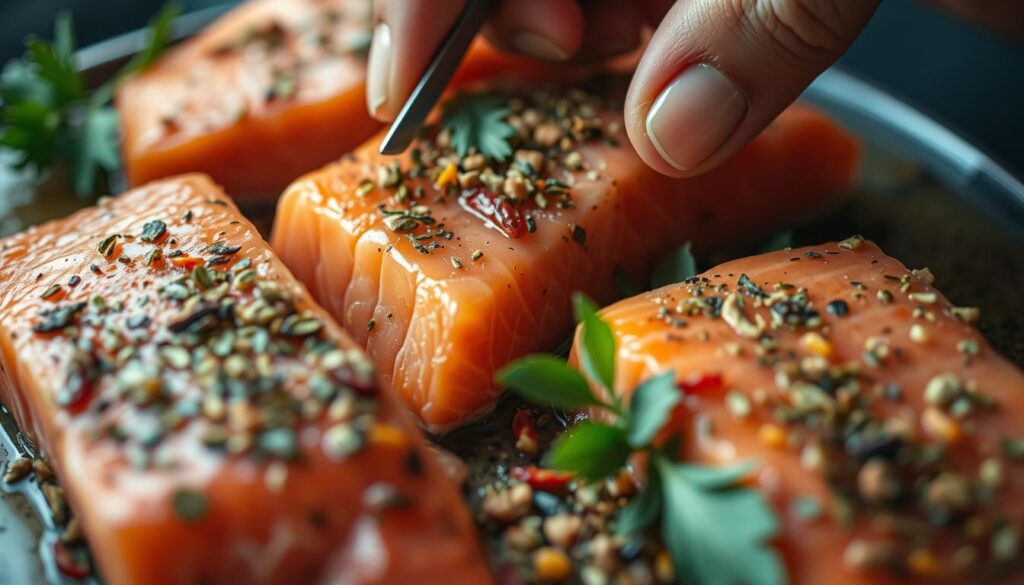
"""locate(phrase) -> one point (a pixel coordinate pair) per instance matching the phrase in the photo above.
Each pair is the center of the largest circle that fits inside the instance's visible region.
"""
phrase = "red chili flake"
(701, 383)
(187, 262)
(545, 480)
(76, 400)
(77, 392)
(497, 212)
(71, 562)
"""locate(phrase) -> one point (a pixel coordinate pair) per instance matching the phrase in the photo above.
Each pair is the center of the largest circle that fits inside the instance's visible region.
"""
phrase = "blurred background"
(967, 77)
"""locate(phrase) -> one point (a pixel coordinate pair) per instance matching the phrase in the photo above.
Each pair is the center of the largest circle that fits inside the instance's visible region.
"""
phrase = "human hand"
(714, 74)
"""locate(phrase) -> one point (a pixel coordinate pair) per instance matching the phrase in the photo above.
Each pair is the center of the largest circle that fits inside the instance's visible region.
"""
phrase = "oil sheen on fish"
(208, 421)
(271, 90)
(450, 261)
(884, 428)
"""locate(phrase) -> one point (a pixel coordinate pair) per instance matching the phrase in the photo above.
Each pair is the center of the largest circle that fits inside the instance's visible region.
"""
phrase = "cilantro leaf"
(676, 267)
(645, 508)
(47, 115)
(93, 147)
(478, 121)
(546, 380)
(708, 477)
(597, 348)
(55, 63)
(715, 530)
(19, 83)
(624, 283)
(159, 38)
(64, 36)
(650, 406)
(564, 347)
(717, 533)
(783, 239)
(592, 450)
(30, 129)
(583, 307)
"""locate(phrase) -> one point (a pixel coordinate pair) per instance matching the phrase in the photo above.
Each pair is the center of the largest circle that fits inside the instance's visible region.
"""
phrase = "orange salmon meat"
(208, 422)
(884, 428)
(446, 263)
(271, 90)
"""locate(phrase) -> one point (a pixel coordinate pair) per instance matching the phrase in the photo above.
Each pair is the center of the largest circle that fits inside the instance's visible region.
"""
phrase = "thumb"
(716, 72)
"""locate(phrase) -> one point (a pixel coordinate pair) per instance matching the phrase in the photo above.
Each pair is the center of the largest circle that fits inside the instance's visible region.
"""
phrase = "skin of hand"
(713, 75)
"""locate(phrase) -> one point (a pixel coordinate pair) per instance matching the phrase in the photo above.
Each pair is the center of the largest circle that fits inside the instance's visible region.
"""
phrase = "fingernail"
(694, 116)
(535, 45)
(378, 70)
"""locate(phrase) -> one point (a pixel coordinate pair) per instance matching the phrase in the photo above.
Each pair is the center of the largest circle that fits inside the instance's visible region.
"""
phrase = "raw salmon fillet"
(209, 422)
(271, 90)
(446, 268)
(861, 394)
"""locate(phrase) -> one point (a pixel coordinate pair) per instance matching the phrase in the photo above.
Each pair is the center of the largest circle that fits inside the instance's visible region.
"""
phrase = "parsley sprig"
(478, 121)
(47, 115)
(716, 530)
(675, 267)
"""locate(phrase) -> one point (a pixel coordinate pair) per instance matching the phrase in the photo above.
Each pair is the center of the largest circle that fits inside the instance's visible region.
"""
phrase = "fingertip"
(711, 79)
(694, 116)
(612, 28)
(406, 36)
(690, 126)
(537, 45)
(378, 73)
(550, 30)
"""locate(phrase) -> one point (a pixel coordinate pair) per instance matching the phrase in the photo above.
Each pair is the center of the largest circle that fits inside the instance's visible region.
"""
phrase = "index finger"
(405, 38)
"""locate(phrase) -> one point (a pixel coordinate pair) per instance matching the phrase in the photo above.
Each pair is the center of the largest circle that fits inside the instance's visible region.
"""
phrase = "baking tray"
(925, 194)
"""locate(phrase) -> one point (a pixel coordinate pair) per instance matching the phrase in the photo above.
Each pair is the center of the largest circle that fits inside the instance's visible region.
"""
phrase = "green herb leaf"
(1012, 447)
(624, 283)
(55, 63)
(30, 130)
(597, 347)
(478, 121)
(676, 267)
(717, 533)
(563, 348)
(713, 478)
(19, 83)
(93, 147)
(545, 380)
(592, 450)
(650, 406)
(583, 307)
(47, 116)
(159, 38)
(189, 505)
(779, 241)
(645, 508)
(64, 37)
(805, 508)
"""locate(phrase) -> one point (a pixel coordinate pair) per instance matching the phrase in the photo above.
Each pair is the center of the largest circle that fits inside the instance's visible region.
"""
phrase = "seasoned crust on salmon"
(447, 262)
(207, 420)
(271, 90)
(861, 393)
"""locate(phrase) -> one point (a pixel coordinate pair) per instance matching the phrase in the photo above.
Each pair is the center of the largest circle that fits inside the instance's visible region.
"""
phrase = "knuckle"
(801, 33)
